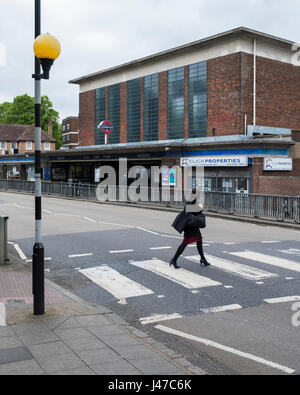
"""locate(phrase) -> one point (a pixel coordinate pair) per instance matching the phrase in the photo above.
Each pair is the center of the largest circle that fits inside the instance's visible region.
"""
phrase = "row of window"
(197, 106)
(66, 127)
(29, 144)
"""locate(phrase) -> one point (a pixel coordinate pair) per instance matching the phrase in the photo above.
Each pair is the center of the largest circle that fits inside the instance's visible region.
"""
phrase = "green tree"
(6, 112)
(22, 110)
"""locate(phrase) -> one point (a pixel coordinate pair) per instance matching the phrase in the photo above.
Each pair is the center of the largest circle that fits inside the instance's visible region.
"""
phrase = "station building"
(230, 103)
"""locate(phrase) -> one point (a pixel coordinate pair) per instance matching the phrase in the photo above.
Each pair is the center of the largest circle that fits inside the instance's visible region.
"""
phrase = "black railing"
(280, 208)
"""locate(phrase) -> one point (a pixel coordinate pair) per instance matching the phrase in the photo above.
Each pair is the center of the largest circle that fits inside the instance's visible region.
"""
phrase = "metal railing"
(280, 208)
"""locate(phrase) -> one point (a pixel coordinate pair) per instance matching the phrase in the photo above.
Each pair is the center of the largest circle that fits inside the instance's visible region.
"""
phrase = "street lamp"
(46, 49)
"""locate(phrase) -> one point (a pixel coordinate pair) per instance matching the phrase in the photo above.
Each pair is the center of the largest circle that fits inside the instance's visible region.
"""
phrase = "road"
(234, 317)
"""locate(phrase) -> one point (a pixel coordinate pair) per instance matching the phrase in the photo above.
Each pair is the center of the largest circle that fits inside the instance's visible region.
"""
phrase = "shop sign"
(215, 161)
(278, 164)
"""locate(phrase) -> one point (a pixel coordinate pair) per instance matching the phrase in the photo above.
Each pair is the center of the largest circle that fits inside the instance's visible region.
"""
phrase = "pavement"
(73, 337)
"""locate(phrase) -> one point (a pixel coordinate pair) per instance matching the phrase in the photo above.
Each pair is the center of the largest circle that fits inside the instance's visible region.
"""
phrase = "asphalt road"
(234, 317)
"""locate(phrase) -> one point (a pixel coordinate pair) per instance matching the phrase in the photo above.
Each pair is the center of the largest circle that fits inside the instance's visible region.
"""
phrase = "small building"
(70, 132)
(19, 140)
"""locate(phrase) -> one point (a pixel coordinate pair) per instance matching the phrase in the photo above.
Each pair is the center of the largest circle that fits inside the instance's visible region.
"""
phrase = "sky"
(97, 34)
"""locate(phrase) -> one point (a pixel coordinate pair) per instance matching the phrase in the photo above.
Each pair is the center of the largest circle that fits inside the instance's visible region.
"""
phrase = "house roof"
(215, 39)
(14, 132)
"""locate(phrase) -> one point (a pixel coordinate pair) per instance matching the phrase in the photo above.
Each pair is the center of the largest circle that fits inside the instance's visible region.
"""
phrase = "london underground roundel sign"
(106, 127)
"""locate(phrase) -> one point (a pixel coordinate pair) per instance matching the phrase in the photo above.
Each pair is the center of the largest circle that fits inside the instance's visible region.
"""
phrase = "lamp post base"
(38, 282)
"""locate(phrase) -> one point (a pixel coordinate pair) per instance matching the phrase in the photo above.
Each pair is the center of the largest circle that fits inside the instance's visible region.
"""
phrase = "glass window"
(151, 108)
(197, 99)
(134, 111)
(100, 114)
(3, 144)
(14, 145)
(114, 113)
(29, 145)
(47, 145)
(176, 103)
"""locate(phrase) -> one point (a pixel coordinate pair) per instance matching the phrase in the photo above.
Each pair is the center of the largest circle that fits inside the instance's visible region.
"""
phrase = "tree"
(22, 111)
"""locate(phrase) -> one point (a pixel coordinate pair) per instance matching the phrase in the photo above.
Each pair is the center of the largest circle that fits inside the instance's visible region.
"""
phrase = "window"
(64, 127)
(47, 146)
(14, 145)
(3, 145)
(151, 108)
(176, 103)
(134, 111)
(114, 113)
(68, 126)
(100, 114)
(197, 99)
(29, 145)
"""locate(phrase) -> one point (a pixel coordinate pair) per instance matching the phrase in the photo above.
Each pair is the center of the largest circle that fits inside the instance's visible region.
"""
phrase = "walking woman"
(193, 221)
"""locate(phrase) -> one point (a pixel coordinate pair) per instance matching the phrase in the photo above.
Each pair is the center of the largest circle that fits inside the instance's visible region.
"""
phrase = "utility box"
(3, 241)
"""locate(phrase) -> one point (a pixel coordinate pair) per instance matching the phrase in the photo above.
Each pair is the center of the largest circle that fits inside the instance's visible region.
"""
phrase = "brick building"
(233, 94)
(70, 132)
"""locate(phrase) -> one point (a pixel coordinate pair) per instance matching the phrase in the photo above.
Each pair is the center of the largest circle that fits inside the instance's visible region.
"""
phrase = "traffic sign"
(106, 127)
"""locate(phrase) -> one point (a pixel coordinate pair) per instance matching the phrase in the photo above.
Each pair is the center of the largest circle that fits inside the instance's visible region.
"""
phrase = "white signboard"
(215, 161)
(278, 164)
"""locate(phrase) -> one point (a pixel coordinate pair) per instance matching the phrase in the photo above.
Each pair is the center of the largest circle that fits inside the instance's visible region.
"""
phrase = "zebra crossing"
(190, 278)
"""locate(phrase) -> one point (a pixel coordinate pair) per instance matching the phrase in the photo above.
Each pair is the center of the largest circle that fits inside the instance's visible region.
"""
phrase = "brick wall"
(87, 118)
(22, 147)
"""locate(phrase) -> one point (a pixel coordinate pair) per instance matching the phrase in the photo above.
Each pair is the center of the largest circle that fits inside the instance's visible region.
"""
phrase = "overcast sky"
(97, 34)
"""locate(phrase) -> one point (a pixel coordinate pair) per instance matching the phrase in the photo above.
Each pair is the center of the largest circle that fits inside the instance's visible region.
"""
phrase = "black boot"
(203, 261)
(180, 250)
(174, 263)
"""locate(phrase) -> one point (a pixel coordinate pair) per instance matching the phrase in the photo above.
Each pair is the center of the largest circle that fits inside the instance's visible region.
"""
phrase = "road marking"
(68, 215)
(47, 211)
(269, 242)
(219, 309)
(248, 272)
(20, 252)
(269, 260)
(284, 299)
(80, 255)
(291, 251)
(2, 314)
(210, 343)
(114, 224)
(149, 231)
(120, 251)
(115, 283)
(89, 219)
(182, 277)
(30, 260)
(228, 286)
(160, 248)
(171, 237)
(159, 317)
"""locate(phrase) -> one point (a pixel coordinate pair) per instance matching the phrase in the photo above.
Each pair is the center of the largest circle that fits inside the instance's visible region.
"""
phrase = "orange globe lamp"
(47, 49)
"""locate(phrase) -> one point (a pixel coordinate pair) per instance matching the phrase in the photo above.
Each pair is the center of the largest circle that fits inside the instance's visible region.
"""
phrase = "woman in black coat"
(193, 222)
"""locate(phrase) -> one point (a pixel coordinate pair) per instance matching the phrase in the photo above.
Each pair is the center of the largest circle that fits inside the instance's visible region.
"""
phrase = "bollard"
(3, 241)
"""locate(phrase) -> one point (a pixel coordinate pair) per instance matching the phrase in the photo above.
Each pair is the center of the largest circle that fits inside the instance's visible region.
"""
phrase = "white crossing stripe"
(120, 251)
(284, 299)
(291, 251)
(182, 277)
(221, 308)
(80, 255)
(115, 283)
(248, 272)
(159, 318)
(269, 260)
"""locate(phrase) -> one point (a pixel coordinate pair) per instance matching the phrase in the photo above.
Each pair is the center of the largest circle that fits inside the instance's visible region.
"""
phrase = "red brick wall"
(87, 118)
(163, 105)
(276, 182)
(22, 147)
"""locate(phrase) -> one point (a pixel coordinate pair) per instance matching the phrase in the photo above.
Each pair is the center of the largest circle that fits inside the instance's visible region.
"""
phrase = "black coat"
(189, 223)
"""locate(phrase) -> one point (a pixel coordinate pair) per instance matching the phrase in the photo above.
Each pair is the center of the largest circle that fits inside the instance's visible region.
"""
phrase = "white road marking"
(228, 286)
(159, 317)
(2, 314)
(20, 252)
(160, 248)
(210, 343)
(30, 260)
(291, 251)
(284, 299)
(289, 278)
(80, 255)
(68, 215)
(161, 296)
(269, 260)
(47, 211)
(269, 242)
(149, 231)
(171, 237)
(115, 283)
(114, 224)
(120, 251)
(248, 272)
(89, 219)
(123, 301)
(219, 309)
(182, 277)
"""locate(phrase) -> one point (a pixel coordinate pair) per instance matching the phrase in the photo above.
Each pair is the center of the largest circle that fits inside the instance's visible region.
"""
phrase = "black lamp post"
(47, 49)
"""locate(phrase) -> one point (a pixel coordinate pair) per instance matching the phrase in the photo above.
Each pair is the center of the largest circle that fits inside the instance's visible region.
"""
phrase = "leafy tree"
(22, 111)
